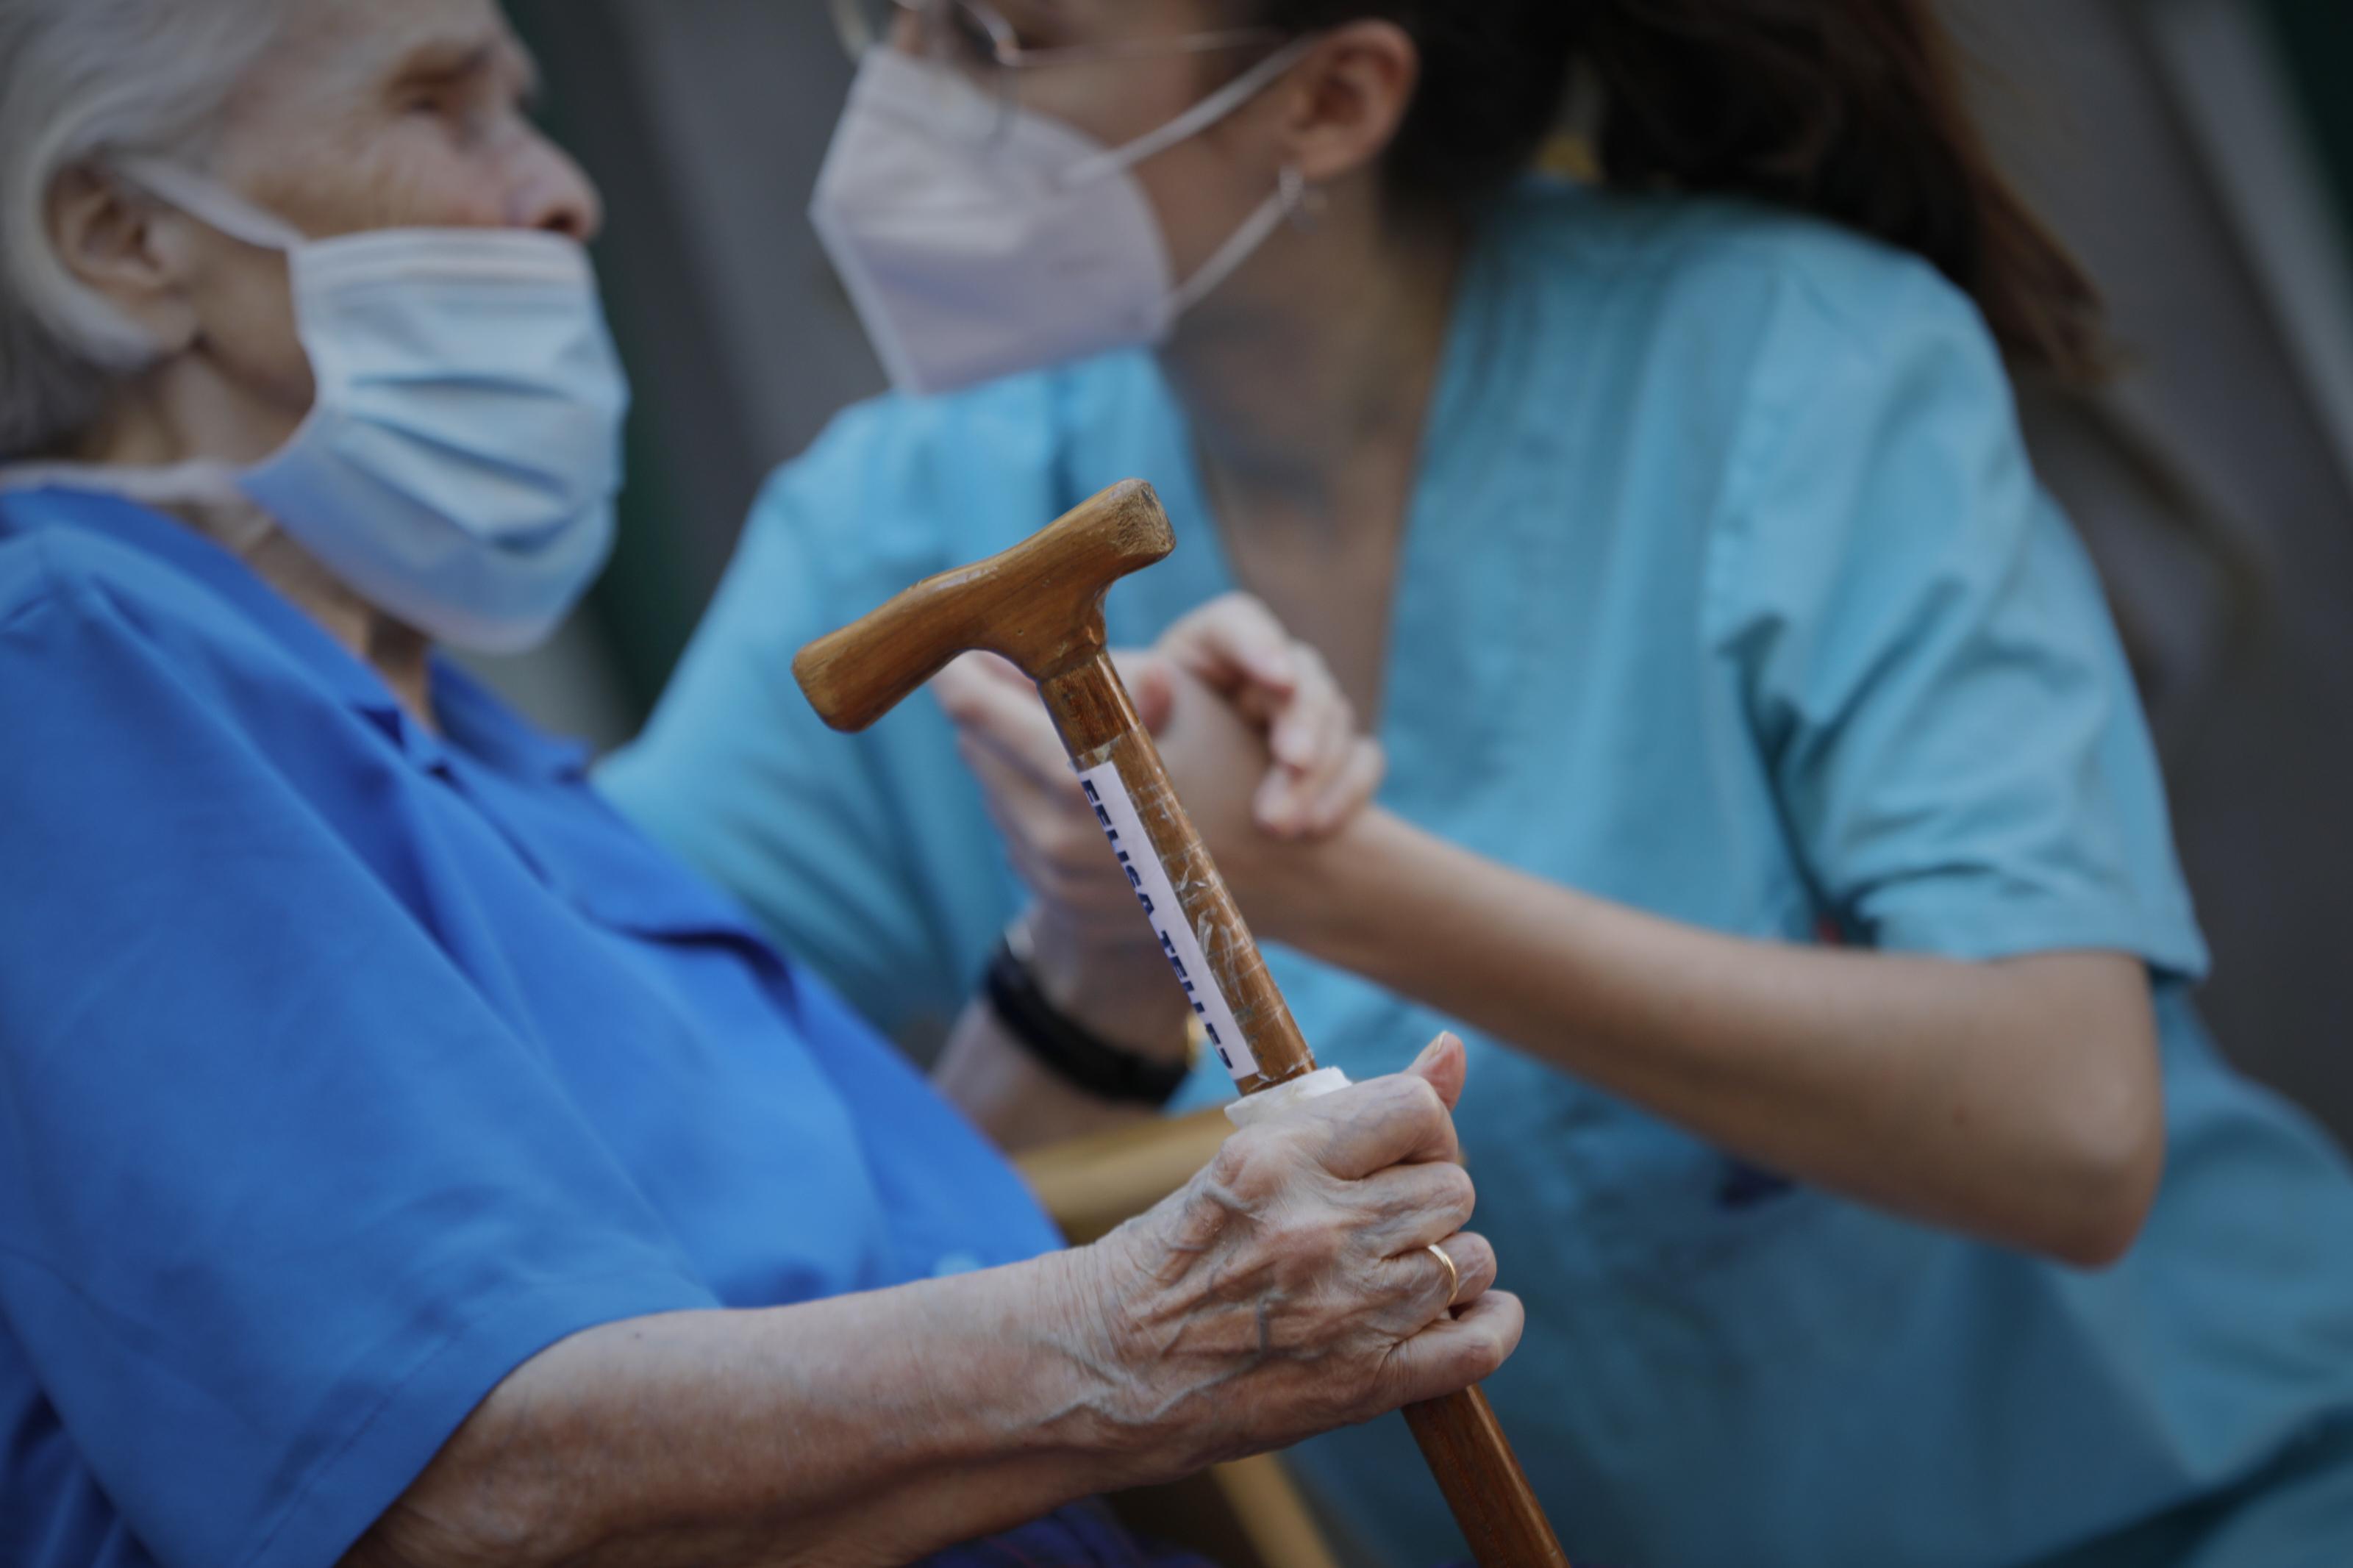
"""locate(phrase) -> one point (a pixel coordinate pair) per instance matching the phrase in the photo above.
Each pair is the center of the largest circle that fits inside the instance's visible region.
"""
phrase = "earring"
(1303, 204)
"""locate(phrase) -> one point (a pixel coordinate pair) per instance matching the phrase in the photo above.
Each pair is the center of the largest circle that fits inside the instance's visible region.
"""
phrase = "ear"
(1349, 98)
(127, 250)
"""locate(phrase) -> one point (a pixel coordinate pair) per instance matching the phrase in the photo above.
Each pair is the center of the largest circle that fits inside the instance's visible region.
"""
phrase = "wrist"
(1322, 896)
(1020, 1377)
(1123, 993)
(1072, 1051)
(1095, 1359)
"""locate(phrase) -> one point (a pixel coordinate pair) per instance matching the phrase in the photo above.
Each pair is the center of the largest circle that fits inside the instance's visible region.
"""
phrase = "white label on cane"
(1113, 808)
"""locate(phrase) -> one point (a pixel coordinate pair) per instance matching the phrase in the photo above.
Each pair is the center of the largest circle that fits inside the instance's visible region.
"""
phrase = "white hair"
(81, 80)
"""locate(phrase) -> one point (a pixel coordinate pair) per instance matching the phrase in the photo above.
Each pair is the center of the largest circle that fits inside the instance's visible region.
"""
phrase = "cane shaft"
(1492, 1504)
(1041, 604)
(1100, 728)
(1468, 1453)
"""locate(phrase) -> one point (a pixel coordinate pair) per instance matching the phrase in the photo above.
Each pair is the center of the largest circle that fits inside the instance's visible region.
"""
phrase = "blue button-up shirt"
(345, 1066)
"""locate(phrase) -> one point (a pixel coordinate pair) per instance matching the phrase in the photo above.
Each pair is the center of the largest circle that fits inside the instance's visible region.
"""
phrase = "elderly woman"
(405, 1163)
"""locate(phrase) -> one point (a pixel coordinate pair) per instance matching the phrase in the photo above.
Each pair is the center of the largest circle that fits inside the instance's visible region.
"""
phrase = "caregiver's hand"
(1288, 1288)
(1286, 1291)
(1265, 754)
(1321, 770)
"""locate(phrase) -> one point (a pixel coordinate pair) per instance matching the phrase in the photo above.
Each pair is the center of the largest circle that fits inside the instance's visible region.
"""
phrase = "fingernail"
(1431, 1052)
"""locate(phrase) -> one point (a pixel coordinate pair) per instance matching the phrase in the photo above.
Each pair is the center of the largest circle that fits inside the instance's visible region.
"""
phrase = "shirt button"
(956, 1263)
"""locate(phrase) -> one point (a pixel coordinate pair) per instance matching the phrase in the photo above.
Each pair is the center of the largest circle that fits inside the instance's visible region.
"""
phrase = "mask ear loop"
(1195, 120)
(1294, 201)
(206, 486)
(213, 204)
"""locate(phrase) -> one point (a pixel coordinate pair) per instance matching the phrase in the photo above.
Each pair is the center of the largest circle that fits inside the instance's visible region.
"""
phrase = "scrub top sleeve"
(1922, 651)
(281, 1200)
(738, 775)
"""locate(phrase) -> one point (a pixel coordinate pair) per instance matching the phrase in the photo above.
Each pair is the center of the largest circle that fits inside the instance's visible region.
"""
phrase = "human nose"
(553, 194)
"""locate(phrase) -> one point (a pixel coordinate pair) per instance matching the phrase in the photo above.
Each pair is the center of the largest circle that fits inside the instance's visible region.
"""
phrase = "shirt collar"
(475, 723)
(479, 723)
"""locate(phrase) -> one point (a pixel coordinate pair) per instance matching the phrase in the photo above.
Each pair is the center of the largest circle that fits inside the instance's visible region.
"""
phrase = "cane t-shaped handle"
(1041, 604)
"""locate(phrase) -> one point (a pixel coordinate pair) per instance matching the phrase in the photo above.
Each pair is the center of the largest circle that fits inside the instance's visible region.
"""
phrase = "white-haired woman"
(400, 1158)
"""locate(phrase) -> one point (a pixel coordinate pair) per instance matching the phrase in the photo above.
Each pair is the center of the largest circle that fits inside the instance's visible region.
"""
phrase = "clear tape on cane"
(1115, 810)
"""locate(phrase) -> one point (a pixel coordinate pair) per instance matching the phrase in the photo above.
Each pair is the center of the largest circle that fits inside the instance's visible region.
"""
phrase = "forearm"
(2018, 1101)
(868, 1429)
(1010, 1096)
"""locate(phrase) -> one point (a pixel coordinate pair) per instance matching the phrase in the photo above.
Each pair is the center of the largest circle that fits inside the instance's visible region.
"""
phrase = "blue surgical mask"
(459, 467)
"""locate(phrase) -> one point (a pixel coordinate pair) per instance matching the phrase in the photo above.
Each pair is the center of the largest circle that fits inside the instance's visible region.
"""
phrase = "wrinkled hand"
(1265, 753)
(1287, 1290)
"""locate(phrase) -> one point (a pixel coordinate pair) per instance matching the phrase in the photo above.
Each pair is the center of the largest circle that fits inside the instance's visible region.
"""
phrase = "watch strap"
(1069, 1049)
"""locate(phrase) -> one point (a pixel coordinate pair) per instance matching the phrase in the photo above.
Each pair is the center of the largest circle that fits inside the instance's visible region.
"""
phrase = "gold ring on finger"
(1453, 1275)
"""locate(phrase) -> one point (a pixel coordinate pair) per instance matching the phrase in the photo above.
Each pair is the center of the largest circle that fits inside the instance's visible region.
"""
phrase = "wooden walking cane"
(1041, 605)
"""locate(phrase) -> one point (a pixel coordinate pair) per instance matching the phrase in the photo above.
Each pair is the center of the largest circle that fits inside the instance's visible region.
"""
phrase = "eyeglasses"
(973, 40)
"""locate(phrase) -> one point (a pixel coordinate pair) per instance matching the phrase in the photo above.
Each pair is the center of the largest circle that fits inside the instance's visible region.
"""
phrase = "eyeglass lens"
(964, 39)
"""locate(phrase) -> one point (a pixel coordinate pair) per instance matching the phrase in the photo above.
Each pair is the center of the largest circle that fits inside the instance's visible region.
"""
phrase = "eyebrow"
(442, 61)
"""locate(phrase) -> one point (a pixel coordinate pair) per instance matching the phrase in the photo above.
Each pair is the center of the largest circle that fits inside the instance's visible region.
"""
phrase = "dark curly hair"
(1850, 110)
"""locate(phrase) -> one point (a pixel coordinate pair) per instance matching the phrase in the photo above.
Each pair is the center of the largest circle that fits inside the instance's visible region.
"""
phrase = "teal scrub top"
(1728, 593)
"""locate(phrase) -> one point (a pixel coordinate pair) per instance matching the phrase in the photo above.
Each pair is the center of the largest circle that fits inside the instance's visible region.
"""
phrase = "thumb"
(1444, 1065)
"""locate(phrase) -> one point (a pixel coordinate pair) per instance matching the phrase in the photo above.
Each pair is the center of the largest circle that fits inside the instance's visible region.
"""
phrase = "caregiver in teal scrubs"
(1767, 795)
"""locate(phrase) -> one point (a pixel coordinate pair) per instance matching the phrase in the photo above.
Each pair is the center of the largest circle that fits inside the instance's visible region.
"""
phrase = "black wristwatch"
(1067, 1049)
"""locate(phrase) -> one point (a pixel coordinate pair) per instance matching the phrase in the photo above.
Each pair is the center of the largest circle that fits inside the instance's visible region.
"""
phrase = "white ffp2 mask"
(970, 259)
(459, 463)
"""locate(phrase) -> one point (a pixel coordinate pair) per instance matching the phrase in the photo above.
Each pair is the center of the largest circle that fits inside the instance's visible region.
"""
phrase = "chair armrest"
(1091, 1185)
